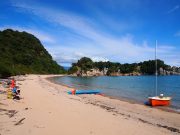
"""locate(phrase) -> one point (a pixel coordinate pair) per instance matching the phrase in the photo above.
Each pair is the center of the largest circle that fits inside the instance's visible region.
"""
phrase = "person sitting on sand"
(14, 90)
(15, 93)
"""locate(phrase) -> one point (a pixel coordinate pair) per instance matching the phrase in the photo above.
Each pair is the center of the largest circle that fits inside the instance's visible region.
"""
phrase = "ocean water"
(136, 88)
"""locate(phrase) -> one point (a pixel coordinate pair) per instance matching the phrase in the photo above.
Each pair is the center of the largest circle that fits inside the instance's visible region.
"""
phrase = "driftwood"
(12, 113)
(19, 122)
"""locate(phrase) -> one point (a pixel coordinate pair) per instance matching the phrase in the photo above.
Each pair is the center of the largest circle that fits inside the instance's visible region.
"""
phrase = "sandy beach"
(47, 109)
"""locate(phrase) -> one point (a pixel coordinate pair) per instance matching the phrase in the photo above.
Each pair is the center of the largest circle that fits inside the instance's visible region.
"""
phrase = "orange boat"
(159, 101)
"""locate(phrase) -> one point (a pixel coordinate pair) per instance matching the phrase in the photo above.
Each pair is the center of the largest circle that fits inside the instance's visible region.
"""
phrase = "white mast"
(156, 73)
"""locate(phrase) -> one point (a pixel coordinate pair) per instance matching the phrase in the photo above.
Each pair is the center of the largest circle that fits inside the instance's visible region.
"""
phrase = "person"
(12, 83)
(15, 93)
(14, 90)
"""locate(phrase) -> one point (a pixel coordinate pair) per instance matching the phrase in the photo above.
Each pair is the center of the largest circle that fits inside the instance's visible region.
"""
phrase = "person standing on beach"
(12, 83)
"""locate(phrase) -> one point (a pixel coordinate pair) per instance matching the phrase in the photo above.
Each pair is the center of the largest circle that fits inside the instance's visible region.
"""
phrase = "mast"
(156, 73)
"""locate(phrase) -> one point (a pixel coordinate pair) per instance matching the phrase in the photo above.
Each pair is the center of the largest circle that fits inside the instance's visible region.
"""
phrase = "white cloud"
(102, 45)
(173, 9)
(97, 59)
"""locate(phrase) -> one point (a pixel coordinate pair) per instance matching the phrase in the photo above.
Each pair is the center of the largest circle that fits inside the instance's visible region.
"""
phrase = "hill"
(86, 67)
(23, 53)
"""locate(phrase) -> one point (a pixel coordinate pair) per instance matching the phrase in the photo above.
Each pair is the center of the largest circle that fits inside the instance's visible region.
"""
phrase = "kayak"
(85, 92)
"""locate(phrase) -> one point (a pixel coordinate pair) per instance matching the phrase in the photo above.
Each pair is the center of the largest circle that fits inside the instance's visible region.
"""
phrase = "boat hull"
(156, 102)
(85, 92)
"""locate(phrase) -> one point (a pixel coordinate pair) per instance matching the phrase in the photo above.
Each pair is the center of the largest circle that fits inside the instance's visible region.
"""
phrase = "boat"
(158, 100)
(84, 92)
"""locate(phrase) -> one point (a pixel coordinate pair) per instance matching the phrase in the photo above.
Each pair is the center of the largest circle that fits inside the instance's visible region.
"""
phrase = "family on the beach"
(13, 91)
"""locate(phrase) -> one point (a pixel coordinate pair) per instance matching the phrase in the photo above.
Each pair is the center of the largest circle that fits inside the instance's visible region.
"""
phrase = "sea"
(134, 88)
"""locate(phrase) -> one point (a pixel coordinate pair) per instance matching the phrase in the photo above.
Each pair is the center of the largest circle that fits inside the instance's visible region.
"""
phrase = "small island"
(86, 67)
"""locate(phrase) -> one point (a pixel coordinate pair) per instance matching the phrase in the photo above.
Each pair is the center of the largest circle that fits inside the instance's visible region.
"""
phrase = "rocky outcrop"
(97, 72)
(174, 71)
(92, 72)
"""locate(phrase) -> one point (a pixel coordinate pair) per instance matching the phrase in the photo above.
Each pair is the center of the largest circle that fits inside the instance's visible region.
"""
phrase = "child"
(15, 93)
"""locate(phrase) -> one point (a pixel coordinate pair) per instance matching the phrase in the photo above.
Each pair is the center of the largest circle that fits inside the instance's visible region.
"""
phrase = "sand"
(46, 109)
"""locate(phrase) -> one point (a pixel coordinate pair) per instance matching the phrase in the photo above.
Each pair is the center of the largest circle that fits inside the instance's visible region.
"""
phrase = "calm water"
(136, 88)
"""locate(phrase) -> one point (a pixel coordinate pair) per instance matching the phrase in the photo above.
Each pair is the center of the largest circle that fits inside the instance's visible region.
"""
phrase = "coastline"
(48, 109)
(132, 101)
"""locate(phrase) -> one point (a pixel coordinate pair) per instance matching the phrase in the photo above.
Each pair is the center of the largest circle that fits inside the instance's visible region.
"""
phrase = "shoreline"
(132, 101)
(46, 108)
(109, 108)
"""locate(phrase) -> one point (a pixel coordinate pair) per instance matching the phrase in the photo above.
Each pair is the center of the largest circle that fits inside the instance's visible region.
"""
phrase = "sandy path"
(47, 110)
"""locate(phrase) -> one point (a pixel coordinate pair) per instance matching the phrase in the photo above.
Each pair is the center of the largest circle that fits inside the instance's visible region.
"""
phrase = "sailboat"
(158, 100)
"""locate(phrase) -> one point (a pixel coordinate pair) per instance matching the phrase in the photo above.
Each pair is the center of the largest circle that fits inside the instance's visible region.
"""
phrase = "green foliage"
(23, 53)
(73, 69)
(85, 64)
(4, 71)
(127, 68)
(149, 67)
(146, 67)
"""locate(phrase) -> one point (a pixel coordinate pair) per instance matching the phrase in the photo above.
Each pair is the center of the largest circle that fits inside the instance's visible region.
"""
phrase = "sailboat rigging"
(158, 100)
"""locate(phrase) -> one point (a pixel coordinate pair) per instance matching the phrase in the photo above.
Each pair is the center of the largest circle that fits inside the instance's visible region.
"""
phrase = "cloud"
(62, 58)
(44, 37)
(72, 55)
(67, 57)
(175, 8)
(172, 58)
(97, 45)
(177, 34)
(97, 59)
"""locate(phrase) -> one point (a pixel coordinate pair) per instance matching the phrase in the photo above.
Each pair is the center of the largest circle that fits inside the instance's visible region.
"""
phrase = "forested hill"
(23, 53)
(86, 67)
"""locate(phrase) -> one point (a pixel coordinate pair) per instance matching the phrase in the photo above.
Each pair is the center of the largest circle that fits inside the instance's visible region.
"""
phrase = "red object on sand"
(12, 83)
(159, 101)
(73, 91)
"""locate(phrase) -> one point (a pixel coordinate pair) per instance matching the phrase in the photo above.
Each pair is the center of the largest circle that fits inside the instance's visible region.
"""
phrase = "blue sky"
(116, 30)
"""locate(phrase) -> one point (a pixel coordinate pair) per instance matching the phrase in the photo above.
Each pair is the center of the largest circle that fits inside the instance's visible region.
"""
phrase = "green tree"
(85, 64)
(23, 53)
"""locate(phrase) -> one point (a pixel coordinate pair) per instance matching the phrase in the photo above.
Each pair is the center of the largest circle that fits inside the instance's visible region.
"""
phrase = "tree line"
(146, 68)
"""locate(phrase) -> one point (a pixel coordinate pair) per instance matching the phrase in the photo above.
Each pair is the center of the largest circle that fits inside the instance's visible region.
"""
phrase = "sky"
(122, 31)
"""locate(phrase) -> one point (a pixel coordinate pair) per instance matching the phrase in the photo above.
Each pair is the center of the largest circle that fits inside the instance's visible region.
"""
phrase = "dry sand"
(46, 109)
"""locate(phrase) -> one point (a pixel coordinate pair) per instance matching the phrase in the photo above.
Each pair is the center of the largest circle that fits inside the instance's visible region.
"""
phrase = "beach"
(46, 108)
